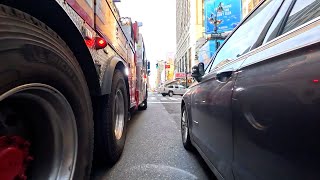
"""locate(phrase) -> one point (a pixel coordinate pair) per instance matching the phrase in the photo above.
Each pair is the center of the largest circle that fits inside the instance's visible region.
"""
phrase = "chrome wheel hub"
(119, 114)
(184, 127)
(45, 118)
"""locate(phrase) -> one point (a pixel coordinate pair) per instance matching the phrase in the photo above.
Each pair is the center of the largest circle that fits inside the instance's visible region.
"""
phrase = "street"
(153, 147)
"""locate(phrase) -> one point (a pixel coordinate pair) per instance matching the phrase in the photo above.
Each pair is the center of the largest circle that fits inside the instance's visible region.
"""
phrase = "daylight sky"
(159, 26)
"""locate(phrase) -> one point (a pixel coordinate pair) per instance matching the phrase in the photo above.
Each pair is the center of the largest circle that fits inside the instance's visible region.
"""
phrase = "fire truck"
(71, 73)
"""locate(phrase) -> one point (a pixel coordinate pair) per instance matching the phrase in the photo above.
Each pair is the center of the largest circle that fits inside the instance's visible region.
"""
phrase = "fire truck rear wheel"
(144, 105)
(112, 127)
(44, 102)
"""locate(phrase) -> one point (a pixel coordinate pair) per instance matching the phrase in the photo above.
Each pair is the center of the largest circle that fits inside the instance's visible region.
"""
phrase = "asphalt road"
(153, 147)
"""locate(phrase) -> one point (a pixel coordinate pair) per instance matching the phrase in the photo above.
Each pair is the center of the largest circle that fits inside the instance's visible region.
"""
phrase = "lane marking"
(153, 98)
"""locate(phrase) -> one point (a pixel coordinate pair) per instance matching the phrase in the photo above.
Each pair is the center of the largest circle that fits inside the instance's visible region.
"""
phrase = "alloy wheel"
(38, 134)
(184, 127)
(119, 114)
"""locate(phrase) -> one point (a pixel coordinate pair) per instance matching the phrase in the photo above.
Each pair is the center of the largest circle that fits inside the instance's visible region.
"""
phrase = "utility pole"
(165, 71)
(186, 71)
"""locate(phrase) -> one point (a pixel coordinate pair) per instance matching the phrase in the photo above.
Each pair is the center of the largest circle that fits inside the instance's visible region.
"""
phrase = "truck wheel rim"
(46, 124)
(184, 127)
(119, 114)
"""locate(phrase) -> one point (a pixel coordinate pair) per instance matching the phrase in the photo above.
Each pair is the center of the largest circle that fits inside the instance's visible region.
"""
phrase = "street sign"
(167, 66)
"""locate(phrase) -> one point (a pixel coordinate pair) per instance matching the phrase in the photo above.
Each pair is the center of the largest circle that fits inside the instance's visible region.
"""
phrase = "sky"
(159, 27)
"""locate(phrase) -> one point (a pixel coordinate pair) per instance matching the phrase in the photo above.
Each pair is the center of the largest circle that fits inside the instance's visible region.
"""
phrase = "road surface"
(153, 148)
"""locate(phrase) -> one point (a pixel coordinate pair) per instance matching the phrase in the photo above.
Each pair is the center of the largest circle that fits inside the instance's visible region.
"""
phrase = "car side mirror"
(198, 71)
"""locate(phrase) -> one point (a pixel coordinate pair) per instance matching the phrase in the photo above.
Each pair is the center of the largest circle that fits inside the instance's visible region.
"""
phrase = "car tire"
(38, 66)
(170, 93)
(163, 94)
(111, 126)
(185, 133)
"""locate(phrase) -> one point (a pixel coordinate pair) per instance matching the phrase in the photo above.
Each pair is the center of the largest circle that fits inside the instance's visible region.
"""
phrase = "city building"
(160, 67)
(248, 6)
(169, 67)
(189, 33)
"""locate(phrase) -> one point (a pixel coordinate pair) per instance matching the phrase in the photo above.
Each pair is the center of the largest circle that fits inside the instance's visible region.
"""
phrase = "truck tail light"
(100, 43)
(97, 43)
(89, 42)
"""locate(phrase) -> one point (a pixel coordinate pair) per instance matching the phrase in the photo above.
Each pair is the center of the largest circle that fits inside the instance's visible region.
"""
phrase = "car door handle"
(224, 76)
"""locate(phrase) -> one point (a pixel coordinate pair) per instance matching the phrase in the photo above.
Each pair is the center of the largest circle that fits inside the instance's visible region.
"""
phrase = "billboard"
(228, 12)
(207, 51)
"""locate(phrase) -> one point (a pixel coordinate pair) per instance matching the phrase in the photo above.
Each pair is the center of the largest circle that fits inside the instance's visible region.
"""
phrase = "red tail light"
(89, 42)
(97, 43)
(100, 43)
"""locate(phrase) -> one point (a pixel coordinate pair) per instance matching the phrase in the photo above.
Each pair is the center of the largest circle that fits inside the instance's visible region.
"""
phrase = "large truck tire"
(45, 107)
(144, 104)
(111, 126)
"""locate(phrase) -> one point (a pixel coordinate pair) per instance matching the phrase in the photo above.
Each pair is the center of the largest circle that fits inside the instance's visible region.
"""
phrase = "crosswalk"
(158, 98)
(152, 98)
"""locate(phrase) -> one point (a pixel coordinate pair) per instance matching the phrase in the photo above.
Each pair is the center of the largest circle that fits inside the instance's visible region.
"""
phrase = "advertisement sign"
(207, 51)
(179, 75)
(225, 13)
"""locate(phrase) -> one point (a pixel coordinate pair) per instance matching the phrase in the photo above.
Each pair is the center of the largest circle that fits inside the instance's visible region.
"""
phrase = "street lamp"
(216, 22)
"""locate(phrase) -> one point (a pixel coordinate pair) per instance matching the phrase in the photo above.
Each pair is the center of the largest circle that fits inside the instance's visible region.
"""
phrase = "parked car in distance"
(254, 112)
(173, 90)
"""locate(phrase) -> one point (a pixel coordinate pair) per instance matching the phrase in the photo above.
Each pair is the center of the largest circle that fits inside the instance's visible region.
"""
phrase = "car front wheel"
(185, 130)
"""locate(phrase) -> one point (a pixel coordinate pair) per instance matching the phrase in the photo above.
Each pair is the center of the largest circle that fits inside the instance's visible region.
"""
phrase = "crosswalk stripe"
(172, 102)
(153, 98)
(174, 99)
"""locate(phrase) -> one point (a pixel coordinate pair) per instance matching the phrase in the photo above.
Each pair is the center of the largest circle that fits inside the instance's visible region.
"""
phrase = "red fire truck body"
(71, 71)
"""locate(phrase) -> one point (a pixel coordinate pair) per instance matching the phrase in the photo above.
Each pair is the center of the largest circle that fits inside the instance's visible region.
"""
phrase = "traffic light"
(148, 64)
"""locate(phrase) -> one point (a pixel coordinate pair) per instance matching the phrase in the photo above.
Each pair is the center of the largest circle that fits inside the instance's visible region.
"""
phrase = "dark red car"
(255, 111)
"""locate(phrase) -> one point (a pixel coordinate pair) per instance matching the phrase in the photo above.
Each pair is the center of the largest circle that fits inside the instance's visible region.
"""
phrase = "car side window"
(207, 70)
(242, 40)
(278, 21)
(302, 12)
(170, 86)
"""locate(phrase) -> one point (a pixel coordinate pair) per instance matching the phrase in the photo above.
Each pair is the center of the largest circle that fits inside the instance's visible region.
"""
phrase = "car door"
(176, 89)
(169, 88)
(211, 108)
(276, 101)
(182, 89)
